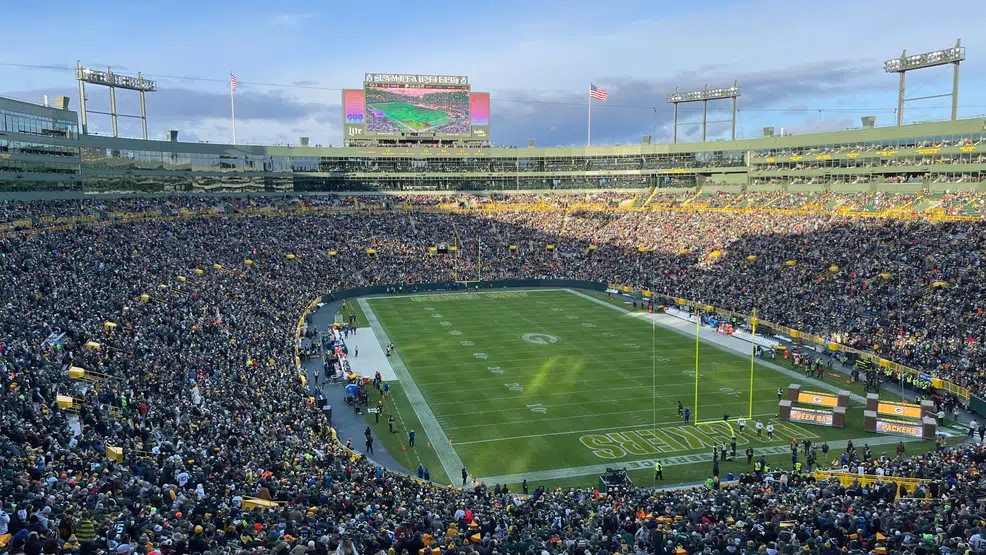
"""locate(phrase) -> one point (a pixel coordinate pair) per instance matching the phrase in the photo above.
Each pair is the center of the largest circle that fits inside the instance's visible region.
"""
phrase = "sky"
(804, 67)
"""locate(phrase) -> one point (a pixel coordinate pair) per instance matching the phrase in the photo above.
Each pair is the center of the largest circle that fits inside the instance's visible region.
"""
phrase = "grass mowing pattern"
(412, 116)
(592, 396)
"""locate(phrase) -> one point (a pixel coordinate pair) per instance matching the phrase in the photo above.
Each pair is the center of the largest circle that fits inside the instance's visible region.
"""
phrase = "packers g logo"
(817, 400)
(539, 338)
(899, 410)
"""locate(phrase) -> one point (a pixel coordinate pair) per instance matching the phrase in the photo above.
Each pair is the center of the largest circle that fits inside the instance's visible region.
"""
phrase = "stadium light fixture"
(935, 58)
(114, 81)
(928, 59)
(704, 96)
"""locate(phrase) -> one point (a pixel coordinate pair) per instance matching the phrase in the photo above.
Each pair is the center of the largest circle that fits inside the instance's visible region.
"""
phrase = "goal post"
(700, 414)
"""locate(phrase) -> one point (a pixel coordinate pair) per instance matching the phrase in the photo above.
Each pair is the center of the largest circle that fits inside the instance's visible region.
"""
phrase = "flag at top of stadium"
(597, 93)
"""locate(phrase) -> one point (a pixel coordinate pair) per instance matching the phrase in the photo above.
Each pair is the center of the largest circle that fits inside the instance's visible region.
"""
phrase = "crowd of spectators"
(201, 392)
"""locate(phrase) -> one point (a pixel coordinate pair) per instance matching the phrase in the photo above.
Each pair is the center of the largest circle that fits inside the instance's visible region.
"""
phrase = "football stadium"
(420, 342)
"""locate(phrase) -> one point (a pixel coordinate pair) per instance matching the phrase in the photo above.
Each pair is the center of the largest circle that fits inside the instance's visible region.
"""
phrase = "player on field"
(759, 427)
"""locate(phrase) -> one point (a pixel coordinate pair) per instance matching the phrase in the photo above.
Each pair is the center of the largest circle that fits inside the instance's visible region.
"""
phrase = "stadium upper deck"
(40, 154)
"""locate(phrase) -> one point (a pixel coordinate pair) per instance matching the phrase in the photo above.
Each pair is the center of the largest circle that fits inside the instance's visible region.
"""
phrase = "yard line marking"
(456, 385)
(631, 427)
(645, 464)
(591, 415)
(443, 447)
(710, 337)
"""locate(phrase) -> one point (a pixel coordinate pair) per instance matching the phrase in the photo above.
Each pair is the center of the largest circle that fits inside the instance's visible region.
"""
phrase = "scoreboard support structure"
(906, 419)
(812, 407)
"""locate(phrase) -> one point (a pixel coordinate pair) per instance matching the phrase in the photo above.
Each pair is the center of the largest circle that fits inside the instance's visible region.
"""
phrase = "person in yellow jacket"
(658, 470)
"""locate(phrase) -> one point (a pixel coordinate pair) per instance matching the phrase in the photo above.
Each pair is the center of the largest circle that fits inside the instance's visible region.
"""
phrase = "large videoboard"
(403, 106)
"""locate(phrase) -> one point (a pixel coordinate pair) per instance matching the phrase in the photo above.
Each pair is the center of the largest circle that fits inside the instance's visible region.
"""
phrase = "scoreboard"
(413, 106)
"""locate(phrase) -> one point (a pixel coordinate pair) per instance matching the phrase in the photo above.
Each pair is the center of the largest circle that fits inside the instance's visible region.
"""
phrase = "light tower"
(114, 81)
(905, 63)
(704, 96)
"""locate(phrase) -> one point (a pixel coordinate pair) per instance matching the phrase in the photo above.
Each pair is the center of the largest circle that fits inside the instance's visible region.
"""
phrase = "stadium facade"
(42, 154)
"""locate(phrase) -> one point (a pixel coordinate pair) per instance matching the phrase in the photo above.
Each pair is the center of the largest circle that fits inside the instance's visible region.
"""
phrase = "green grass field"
(556, 386)
(415, 117)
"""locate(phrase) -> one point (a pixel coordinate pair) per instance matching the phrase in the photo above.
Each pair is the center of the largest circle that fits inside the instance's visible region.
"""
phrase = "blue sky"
(805, 67)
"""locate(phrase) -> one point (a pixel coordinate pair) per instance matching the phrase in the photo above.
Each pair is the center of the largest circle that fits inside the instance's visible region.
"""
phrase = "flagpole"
(588, 141)
(232, 106)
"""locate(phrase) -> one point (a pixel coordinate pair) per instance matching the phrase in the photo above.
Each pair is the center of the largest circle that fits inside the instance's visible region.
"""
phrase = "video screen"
(479, 109)
(353, 102)
(398, 108)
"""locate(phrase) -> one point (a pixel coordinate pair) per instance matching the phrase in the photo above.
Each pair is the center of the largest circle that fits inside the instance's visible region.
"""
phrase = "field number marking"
(495, 369)
(481, 356)
(466, 343)
(455, 332)
(514, 386)
(444, 323)
(588, 325)
(436, 315)
(631, 345)
(538, 408)
(429, 308)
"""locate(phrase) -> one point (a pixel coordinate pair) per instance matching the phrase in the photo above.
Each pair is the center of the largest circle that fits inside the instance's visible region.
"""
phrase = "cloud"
(637, 107)
(269, 116)
(289, 19)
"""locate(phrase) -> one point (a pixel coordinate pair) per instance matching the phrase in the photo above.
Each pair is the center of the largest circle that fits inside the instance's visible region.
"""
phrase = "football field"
(557, 385)
(412, 116)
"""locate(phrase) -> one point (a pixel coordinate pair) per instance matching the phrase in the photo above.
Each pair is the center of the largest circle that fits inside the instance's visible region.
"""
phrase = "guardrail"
(848, 478)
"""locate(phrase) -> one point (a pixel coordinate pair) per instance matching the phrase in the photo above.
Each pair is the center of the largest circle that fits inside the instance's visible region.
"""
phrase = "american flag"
(232, 82)
(597, 93)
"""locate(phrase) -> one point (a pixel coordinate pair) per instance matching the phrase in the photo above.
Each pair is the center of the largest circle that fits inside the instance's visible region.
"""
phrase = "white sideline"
(443, 448)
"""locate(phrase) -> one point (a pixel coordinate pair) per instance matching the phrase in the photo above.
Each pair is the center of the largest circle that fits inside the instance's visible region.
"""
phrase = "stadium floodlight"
(928, 59)
(935, 58)
(704, 96)
(114, 81)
